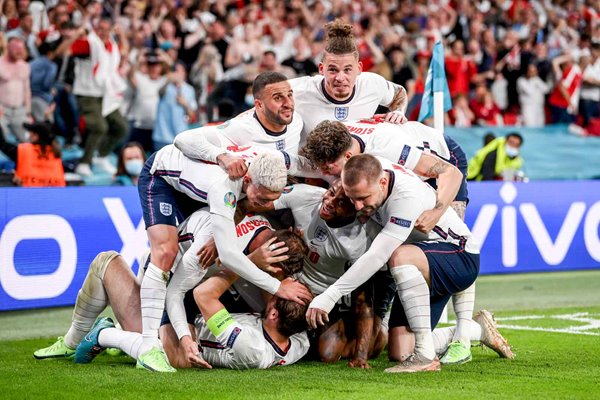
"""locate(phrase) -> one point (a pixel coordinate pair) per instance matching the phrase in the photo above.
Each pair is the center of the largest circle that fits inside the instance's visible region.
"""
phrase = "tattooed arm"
(448, 179)
(397, 106)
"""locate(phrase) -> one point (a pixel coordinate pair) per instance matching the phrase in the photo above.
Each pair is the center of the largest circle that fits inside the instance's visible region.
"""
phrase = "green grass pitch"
(552, 321)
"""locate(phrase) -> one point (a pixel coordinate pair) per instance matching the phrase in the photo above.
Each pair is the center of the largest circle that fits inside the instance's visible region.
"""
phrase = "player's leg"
(176, 354)
(410, 268)
(91, 301)
(159, 209)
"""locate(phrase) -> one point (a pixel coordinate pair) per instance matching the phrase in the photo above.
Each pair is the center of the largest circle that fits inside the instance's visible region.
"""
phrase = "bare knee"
(163, 255)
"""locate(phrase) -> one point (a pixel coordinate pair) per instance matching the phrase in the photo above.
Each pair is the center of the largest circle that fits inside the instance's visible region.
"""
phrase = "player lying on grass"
(443, 262)
(110, 281)
(335, 239)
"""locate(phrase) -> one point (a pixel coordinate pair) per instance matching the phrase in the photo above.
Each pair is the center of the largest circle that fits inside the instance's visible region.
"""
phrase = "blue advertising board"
(48, 237)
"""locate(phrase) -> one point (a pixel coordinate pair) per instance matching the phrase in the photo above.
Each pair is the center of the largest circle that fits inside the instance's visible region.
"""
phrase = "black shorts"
(451, 270)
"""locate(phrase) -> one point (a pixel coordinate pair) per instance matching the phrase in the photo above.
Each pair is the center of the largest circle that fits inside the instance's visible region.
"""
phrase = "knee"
(95, 125)
(164, 253)
(329, 356)
(100, 264)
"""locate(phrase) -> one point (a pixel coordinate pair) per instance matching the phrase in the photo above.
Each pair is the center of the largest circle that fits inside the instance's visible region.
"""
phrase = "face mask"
(512, 152)
(134, 167)
(249, 99)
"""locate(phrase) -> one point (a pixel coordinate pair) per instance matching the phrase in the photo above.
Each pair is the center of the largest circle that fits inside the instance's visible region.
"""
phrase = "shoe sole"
(497, 342)
(55, 356)
(433, 367)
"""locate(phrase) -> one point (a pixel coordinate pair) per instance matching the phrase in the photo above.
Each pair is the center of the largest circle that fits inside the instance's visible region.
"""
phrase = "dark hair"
(297, 251)
(488, 138)
(121, 163)
(339, 38)
(326, 143)
(292, 317)
(263, 79)
(359, 167)
(516, 135)
(269, 53)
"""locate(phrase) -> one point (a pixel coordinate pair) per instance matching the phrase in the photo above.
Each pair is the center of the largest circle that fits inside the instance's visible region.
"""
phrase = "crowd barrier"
(49, 236)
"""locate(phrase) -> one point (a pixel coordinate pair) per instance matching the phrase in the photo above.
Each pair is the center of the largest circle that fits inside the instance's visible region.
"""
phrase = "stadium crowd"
(104, 73)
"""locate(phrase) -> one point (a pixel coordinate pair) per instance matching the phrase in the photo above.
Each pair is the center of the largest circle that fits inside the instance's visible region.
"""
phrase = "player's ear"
(321, 68)
(360, 67)
(347, 155)
(383, 181)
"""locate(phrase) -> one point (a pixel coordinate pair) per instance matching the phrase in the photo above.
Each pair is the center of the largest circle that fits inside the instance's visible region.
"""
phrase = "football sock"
(91, 301)
(152, 297)
(129, 342)
(463, 303)
(442, 337)
(414, 296)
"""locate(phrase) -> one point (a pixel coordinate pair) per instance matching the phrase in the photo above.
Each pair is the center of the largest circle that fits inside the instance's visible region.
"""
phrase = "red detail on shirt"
(80, 47)
(571, 79)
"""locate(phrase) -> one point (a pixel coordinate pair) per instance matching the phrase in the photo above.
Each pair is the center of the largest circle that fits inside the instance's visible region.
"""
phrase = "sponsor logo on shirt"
(341, 113)
(249, 226)
(321, 234)
(166, 209)
(400, 221)
(230, 200)
(404, 155)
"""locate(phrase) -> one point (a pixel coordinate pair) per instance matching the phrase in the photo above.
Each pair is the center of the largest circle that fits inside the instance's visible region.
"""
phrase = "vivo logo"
(553, 251)
(57, 228)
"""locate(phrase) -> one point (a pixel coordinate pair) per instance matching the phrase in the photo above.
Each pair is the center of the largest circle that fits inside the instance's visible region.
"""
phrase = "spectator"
(129, 165)
(146, 86)
(532, 94)
(205, 75)
(589, 105)
(37, 163)
(301, 61)
(497, 160)
(564, 99)
(488, 138)
(460, 71)
(25, 30)
(401, 72)
(461, 115)
(15, 89)
(43, 76)
(268, 62)
(97, 93)
(177, 106)
(482, 105)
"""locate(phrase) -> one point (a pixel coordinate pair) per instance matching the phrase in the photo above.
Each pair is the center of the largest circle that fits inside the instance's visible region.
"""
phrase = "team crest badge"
(166, 209)
(341, 113)
(321, 234)
(280, 144)
(230, 200)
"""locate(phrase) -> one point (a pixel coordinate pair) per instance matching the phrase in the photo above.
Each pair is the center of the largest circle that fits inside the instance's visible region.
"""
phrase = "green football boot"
(57, 350)
(154, 360)
(457, 353)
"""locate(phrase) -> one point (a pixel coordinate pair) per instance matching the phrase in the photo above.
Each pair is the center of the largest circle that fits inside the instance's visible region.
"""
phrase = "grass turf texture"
(548, 365)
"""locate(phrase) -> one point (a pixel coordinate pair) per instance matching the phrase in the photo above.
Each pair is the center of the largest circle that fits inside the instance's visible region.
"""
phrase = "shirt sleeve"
(200, 144)
(223, 197)
(402, 214)
(385, 88)
(298, 196)
(233, 258)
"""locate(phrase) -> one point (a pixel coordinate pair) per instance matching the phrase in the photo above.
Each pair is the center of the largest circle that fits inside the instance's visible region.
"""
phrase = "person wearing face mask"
(130, 164)
(498, 160)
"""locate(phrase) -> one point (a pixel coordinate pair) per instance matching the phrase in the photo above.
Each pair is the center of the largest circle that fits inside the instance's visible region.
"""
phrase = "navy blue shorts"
(459, 160)
(451, 270)
(161, 203)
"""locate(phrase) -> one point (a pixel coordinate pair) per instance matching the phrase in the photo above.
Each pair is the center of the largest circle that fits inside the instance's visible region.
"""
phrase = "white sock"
(414, 296)
(442, 338)
(152, 297)
(129, 342)
(91, 301)
(463, 303)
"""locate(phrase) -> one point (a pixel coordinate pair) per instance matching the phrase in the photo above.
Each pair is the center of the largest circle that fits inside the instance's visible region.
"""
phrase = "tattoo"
(436, 169)
(399, 100)
(460, 207)
(438, 205)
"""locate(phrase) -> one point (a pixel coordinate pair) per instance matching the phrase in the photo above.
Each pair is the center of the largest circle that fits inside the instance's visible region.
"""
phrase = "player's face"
(340, 72)
(277, 103)
(260, 196)
(336, 204)
(333, 168)
(366, 197)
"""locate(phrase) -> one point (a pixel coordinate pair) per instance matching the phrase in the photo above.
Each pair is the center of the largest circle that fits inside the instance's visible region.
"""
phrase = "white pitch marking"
(584, 317)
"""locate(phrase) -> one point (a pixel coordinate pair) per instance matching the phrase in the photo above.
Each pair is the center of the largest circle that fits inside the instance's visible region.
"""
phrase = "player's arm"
(233, 259)
(365, 267)
(448, 179)
(398, 103)
(207, 294)
(364, 320)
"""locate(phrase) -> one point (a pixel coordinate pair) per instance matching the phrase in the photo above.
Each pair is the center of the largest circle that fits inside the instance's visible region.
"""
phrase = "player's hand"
(427, 220)
(395, 117)
(208, 254)
(234, 166)
(359, 363)
(316, 317)
(268, 254)
(295, 291)
(193, 353)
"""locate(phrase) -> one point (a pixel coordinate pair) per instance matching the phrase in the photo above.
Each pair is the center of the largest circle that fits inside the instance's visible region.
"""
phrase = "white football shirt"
(245, 344)
(315, 105)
